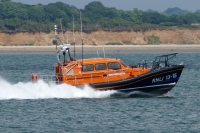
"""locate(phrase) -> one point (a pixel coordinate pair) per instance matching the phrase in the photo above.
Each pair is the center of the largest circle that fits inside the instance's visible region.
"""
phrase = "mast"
(81, 37)
(62, 30)
(104, 52)
(74, 37)
(56, 37)
(55, 28)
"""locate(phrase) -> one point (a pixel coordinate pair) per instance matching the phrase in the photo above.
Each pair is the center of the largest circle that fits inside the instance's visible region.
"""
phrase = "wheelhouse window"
(114, 65)
(101, 66)
(89, 67)
(123, 63)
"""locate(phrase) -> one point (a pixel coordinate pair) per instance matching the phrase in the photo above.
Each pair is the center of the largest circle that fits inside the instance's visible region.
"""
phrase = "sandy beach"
(107, 48)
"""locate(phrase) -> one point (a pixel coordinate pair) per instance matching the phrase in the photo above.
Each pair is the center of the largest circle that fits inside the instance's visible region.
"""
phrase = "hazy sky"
(159, 5)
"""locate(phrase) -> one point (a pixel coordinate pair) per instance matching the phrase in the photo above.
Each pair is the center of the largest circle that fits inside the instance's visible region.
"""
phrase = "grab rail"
(55, 79)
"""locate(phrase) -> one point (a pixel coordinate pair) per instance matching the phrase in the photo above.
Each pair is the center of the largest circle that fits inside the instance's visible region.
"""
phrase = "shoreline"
(107, 48)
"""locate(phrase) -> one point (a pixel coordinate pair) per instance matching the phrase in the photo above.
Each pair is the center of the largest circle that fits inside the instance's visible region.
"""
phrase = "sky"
(158, 5)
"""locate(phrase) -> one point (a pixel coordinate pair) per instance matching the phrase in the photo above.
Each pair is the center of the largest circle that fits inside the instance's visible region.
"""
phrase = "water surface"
(39, 107)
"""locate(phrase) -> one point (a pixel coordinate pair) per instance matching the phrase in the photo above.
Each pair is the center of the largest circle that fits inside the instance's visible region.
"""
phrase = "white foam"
(42, 90)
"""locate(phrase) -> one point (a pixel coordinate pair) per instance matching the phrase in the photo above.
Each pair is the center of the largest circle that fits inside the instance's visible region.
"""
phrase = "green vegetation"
(128, 43)
(175, 10)
(26, 44)
(114, 43)
(21, 17)
(153, 39)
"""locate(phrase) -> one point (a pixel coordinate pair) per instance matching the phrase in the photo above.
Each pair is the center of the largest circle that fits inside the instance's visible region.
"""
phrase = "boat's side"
(156, 82)
(96, 71)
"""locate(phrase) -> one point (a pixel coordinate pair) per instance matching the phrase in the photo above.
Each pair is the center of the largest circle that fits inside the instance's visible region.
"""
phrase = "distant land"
(95, 38)
(33, 25)
(15, 17)
(171, 11)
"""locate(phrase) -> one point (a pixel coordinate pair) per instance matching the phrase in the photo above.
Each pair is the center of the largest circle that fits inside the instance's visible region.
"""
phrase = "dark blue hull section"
(156, 82)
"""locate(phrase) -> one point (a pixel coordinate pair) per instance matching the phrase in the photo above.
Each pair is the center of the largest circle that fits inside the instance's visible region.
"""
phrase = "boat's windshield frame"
(163, 60)
(124, 64)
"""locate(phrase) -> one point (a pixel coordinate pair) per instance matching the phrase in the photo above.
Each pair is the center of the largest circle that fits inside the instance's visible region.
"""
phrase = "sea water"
(40, 107)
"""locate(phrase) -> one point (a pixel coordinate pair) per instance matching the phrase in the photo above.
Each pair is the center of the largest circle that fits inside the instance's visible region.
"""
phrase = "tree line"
(95, 16)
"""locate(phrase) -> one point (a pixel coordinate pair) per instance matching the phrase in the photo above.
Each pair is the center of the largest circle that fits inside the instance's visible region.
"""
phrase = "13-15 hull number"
(164, 78)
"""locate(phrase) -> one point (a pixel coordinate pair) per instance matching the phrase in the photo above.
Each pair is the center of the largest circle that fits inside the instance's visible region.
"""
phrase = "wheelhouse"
(95, 70)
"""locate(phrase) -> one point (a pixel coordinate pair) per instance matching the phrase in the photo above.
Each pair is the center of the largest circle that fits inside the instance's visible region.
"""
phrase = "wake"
(42, 90)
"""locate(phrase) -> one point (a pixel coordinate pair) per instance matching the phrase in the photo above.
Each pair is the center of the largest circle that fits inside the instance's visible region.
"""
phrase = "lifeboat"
(104, 74)
(112, 74)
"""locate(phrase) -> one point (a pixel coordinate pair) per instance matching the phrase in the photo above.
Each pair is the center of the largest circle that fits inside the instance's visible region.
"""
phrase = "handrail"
(76, 81)
(163, 59)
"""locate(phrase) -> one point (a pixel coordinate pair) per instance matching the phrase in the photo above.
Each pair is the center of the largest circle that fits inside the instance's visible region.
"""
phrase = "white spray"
(42, 90)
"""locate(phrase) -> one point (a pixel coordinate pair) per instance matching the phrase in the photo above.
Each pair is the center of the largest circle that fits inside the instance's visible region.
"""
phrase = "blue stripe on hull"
(154, 90)
(156, 82)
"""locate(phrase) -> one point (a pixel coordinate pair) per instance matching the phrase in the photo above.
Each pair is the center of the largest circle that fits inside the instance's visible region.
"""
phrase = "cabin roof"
(98, 60)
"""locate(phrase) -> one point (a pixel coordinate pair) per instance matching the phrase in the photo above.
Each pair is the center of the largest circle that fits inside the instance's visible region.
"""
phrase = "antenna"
(81, 37)
(74, 37)
(56, 35)
(61, 29)
(97, 53)
(104, 52)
